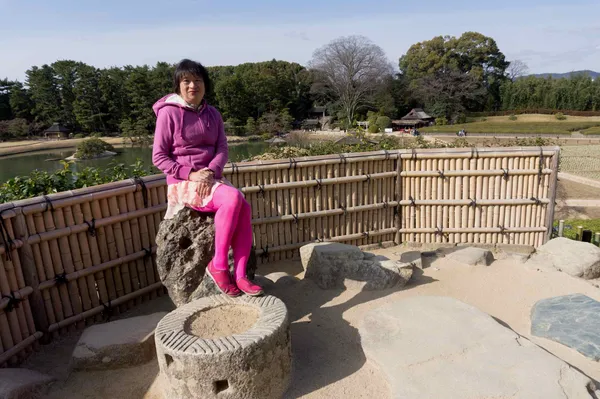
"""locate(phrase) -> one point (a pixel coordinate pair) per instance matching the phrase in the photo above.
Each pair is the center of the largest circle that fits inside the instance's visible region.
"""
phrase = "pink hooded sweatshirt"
(187, 140)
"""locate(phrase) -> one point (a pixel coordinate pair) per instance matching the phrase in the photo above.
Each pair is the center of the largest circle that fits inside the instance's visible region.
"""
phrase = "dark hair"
(188, 67)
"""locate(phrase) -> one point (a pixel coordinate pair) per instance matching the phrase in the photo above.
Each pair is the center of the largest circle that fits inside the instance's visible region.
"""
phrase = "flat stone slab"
(334, 265)
(576, 258)
(572, 320)
(439, 347)
(23, 384)
(120, 343)
(472, 256)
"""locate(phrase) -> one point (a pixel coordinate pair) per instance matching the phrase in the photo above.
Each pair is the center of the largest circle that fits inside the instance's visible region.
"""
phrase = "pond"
(24, 164)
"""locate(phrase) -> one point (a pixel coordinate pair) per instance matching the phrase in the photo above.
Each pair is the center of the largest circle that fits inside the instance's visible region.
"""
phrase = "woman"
(190, 147)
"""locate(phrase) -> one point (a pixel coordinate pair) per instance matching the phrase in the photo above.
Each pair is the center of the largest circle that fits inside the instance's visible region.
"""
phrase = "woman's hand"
(204, 190)
(203, 176)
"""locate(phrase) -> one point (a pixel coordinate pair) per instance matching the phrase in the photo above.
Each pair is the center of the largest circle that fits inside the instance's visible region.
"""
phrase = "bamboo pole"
(552, 190)
(121, 273)
(13, 334)
(147, 237)
(134, 282)
(136, 228)
(98, 310)
(21, 346)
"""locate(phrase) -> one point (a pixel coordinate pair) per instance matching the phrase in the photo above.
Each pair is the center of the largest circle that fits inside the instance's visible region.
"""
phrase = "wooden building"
(56, 132)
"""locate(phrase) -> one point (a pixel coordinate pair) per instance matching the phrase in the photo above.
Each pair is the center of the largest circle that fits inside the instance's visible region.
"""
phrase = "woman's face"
(192, 89)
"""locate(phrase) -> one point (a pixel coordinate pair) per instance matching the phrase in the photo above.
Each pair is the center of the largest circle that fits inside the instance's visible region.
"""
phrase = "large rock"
(185, 247)
(332, 265)
(116, 344)
(572, 320)
(23, 384)
(439, 347)
(472, 256)
(576, 258)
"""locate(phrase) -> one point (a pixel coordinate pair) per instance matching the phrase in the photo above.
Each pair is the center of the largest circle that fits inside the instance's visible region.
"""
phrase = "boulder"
(23, 384)
(332, 265)
(119, 343)
(412, 257)
(576, 258)
(572, 320)
(439, 347)
(472, 256)
(185, 247)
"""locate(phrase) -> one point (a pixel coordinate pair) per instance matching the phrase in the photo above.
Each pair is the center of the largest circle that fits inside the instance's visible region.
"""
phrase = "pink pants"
(233, 228)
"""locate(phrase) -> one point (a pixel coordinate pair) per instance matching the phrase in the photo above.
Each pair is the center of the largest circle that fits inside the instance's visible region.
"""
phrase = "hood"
(175, 100)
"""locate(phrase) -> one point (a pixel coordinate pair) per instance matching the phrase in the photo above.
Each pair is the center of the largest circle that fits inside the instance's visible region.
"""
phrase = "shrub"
(91, 148)
(461, 118)
(513, 117)
(96, 135)
(441, 121)
(373, 128)
(79, 136)
(383, 122)
(560, 116)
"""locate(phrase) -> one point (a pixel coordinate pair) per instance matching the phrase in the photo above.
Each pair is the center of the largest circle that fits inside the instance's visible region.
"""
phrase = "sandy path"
(328, 359)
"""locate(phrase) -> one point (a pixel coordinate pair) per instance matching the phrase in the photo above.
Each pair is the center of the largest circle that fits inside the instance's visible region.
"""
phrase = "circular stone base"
(221, 347)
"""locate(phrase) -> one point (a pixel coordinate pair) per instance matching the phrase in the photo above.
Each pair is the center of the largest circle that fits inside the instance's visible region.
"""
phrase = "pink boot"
(222, 279)
(248, 287)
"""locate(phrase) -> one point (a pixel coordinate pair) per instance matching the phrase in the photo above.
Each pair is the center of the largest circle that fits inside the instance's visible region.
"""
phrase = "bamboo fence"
(71, 259)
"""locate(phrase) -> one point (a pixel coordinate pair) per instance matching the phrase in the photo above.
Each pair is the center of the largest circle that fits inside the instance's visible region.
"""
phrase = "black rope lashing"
(147, 252)
(319, 239)
(473, 203)
(261, 189)
(387, 154)
(319, 183)
(61, 278)
(107, 313)
(48, 203)
(265, 253)
(441, 173)
(139, 181)
(13, 301)
(413, 154)
(385, 205)
(440, 232)
(343, 208)
(536, 200)
(368, 179)
(365, 234)
(91, 227)
(474, 153)
(343, 159)
(6, 239)
(293, 163)
(234, 168)
(295, 216)
(412, 201)
(505, 173)
(502, 229)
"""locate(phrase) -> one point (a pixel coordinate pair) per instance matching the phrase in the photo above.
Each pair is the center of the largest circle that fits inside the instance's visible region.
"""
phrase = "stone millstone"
(23, 384)
(472, 256)
(332, 265)
(120, 343)
(439, 347)
(221, 357)
(185, 247)
(576, 258)
(572, 320)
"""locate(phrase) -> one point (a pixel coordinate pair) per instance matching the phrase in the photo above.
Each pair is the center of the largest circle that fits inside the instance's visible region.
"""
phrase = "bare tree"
(516, 69)
(351, 69)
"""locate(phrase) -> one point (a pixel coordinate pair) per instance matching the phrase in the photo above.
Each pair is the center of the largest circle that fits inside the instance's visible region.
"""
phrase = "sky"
(548, 35)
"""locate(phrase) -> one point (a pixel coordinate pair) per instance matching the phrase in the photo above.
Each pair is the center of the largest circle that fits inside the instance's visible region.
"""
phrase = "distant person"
(190, 147)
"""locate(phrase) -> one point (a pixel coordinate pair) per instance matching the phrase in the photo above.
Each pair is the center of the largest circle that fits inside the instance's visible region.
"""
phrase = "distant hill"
(593, 74)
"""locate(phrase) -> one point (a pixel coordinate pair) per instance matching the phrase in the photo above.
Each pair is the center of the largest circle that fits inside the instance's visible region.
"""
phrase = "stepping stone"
(23, 384)
(412, 257)
(439, 347)
(576, 258)
(572, 320)
(335, 265)
(472, 256)
(120, 343)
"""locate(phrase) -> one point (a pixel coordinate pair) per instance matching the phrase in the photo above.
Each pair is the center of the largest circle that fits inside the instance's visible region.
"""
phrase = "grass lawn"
(572, 224)
(592, 130)
(525, 124)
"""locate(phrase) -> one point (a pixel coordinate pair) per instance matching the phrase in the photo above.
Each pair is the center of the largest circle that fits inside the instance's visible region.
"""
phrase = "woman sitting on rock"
(190, 147)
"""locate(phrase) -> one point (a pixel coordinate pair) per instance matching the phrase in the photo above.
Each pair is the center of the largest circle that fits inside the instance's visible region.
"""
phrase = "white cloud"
(548, 39)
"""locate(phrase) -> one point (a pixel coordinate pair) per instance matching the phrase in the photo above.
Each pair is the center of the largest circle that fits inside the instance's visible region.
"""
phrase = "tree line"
(351, 76)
